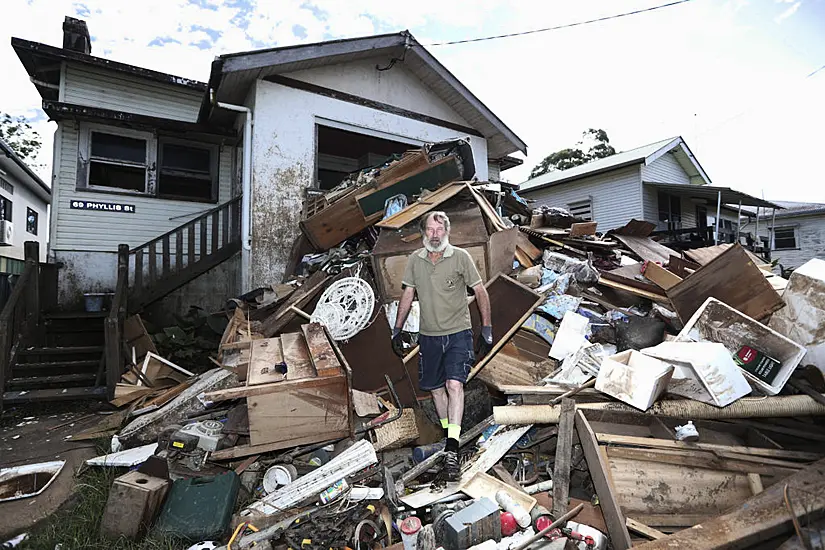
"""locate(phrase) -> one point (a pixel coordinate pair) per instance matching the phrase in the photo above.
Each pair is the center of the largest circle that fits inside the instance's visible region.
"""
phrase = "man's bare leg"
(441, 401)
(455, 409)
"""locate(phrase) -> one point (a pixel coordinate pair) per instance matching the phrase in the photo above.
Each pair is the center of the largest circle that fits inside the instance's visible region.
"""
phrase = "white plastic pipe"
(246, 183)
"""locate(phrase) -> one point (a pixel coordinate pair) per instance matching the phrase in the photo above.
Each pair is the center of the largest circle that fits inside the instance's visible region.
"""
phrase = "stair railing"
(113, 325)
(20, 315)
(185, 252)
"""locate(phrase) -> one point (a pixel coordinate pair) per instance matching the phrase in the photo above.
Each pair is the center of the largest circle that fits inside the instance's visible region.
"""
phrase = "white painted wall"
(617, 196)
(23, 198)
(396, 86)
(665, 169)
(85, 230)
(284, 160)
(810, 238)
(97, 87)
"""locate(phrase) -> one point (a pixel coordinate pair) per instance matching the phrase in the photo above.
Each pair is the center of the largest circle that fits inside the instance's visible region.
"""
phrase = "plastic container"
(93, 301)
(636, 379)
(278, 476)
(199, 508)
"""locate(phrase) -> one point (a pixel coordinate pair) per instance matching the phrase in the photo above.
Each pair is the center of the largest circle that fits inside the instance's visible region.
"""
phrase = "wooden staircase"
(72, 355)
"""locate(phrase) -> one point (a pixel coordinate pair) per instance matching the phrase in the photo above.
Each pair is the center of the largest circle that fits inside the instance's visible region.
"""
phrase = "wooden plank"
(488, 210)
(564, 452)
(513, 366)
(239, 451)
(320, 351)
(599, 473)
(422, 206)
(266, 363)
(138, 269)
(646, 248)
(436, 174)
(214, 222)
(703, 256)
(165, 258)
(644, 530)
(412, 162)
(202, 223)
(661, 276)
(583, 228)
(681, 267)
(732, 278)
(760, 518)
(612, 439)
(527, 247)
(262, 389)
(633, 290)
(179, 250)
(224, 226)
(698, 459)
(190, 245)
(153, 264)
(283, 315)
(627, 274)
(672, 522)
(296, 356)
(501, 250)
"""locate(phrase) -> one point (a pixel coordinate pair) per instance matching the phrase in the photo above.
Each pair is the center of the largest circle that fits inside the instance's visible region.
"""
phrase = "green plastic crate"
(199, 508)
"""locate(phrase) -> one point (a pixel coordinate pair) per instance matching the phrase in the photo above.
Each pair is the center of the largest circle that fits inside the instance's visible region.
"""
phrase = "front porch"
(716, 217)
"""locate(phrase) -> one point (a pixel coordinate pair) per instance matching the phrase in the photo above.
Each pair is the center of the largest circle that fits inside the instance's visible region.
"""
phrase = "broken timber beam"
(564, 456)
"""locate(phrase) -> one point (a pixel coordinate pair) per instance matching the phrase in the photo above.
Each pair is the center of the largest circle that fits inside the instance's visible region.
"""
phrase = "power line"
(567, 26)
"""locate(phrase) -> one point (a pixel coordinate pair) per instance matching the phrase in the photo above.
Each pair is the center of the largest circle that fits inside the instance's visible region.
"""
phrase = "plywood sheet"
(422, 206)
(296, 356)
(646, 248)
(703, 256)
(501, 250)
(661, 276)
(320, 351)
(731, 277)
(514, 366)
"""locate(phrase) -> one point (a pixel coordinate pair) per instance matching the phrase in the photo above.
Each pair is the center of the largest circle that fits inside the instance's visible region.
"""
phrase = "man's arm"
(483, 301)
(405, 304)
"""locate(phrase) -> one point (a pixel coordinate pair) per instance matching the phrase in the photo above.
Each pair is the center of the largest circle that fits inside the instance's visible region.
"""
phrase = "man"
(440, 274)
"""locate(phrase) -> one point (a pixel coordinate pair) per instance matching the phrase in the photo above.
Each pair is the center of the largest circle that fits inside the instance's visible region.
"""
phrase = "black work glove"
(484, 342)
(397, 343)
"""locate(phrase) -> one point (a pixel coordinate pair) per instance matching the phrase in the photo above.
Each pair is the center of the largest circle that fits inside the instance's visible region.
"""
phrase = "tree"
(598, 148)
(20, 136)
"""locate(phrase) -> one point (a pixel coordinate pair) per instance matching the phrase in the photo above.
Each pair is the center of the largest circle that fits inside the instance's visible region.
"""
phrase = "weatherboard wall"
(665, 169)
(810, 238)
(96, 87)
(616, 196)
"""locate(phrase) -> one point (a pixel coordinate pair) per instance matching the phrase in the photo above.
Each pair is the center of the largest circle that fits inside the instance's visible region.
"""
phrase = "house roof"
(792, 209)
(42, 62)
(9, 161)
(711, 193)
(645, 154)
(233, 74)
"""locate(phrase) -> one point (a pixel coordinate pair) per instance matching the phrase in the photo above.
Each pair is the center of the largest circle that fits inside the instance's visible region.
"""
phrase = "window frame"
(148, 166)
(672, 224)
(793, 228)
(6, 213)
(214, 166)
(577, 205)
(36, 220)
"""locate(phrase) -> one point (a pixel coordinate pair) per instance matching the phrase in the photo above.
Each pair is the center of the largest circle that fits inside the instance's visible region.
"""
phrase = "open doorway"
(341, 152)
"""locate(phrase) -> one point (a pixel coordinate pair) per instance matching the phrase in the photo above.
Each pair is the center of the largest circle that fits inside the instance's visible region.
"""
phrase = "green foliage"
(21, 137)
(189, 342)
(569, 158)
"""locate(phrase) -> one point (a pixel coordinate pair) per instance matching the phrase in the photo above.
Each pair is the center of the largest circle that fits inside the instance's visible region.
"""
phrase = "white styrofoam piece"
(735, 329)
(803, 317)
(52, 469)
(127, 458)
(570, 336)
(354, 459)
(715, 378)
(633, 378)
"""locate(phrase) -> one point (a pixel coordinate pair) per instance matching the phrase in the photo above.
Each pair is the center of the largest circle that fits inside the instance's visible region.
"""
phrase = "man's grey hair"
(438, 216)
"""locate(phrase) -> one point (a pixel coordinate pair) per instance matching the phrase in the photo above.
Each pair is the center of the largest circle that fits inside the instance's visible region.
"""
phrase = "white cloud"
(788, 12)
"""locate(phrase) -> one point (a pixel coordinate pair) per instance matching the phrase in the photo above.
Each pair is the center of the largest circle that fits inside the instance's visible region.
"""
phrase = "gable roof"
(233, 74)
(10, 162)
(645, 154)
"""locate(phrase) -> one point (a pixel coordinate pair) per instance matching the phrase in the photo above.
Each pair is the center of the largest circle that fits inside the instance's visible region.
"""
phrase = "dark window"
(5, 209)
(186, 172)
(670, 211)
(31, 221)
(117, 161)
(784, 238)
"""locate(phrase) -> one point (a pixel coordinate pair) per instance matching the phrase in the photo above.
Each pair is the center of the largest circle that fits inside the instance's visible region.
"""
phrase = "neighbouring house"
(205, 181)
(795, 235)
(24, 207)
(662, 183)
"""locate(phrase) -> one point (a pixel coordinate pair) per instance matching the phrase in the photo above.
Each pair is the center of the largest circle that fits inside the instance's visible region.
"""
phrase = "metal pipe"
(773, 230)
(739, 222)
(718, 213)
(758, 241)
(246, 181)
(564, 519)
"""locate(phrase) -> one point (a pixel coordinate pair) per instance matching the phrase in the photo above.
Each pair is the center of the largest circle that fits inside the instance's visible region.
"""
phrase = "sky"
(735, 78)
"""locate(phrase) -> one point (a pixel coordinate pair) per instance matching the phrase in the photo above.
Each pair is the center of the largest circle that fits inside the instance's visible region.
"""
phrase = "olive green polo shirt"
(442, 289)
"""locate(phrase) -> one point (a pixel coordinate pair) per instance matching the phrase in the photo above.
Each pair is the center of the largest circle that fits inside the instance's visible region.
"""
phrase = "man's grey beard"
(430, 247)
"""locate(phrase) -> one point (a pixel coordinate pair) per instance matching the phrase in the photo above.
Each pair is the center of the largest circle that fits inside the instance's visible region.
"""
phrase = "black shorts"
(442, 358)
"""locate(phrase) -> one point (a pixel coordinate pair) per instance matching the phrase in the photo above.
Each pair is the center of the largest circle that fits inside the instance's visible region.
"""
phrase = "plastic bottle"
(509, 505)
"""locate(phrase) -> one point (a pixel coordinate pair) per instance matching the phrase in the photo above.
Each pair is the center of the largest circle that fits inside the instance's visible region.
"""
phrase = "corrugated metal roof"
(619, 160)
(791, 209)
(711, 194)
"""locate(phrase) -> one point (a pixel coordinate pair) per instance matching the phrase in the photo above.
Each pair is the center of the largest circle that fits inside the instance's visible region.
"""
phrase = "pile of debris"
(638, 391)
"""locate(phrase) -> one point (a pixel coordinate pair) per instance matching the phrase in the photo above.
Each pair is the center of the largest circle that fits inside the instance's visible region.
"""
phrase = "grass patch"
(77, 524)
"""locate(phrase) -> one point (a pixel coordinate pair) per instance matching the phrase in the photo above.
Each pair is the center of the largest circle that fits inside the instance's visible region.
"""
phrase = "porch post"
(718, 213)
(757, 225)
(739, 222)
(773, 229)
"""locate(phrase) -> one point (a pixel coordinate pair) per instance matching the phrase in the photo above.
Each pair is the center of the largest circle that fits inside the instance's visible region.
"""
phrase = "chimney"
(76, 35)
